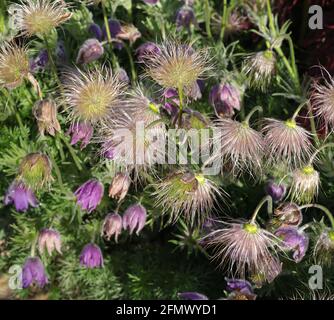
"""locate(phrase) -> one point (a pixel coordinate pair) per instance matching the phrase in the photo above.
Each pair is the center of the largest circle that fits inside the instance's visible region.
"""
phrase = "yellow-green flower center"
(290, 123)
(154, 107)
(331, 235)
(200, 178)
(308, 170)
(250, 228)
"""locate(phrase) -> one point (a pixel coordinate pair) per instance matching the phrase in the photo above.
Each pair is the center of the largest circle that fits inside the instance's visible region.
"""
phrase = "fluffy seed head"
(177, 65)
(323, 100)
(324, 248)
(14, 65)
(38, 17)
(244, 248)
(186, 194)
(287, 142)
(260, 68)
(305, 184)
(93, 96)
(238, 145)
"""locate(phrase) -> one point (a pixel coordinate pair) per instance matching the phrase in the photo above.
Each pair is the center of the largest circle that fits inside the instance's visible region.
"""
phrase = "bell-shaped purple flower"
(147, 50)
(89, 195)
(275, 190)
(294, 239)
(112, 226)
(185, 17)
(192, 296)
(21, 196)
(225, 98)
(114, 27)
(91, 256)
(119, 186)
(49, 239)
(90, 50)
(239, 289)
(40, 61)
(134, 217)
(80, 131)
(96, 31)
(33, 272)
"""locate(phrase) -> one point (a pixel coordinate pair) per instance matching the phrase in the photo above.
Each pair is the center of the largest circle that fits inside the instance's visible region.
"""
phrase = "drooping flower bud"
(33, 272)
(275, 190)
(225, 98)
(119, 186)
(90, 50)
(112, 225)
(89, 195)
(295, 240)
(288, 214)
(35, 170)
(45, 112)
(123, 76)
(185, 17)
(49, 239)
(134, 217)
(80, 131)
(147, 50)
(39, 62)
(21, 196)
(192, 296)
(91, 256)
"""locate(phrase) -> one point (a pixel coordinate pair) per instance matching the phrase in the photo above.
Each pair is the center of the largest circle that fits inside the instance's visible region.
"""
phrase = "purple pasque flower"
(123, 76)
(115, 28)
(89, 195)
(185, 17)
(225, 98)
(90, 50)
(192, 296)
(147, 50)
(112, 225)
(33, 272)
(294, 239)
(21, 196)
(91, 256)
(239, 289)
(49, 239)
(80, 131)
(40, 61)
(96, 31)
(276, 190)
(134, 217)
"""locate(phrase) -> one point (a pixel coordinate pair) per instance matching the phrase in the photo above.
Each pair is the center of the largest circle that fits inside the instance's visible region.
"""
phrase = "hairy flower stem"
(52, 62)
(299, 108)
(224, 20)
(106, 23)
(259, 206)
(322, 208)
(33, 246)
(207, 13)
(132, 65)
(71, 150)
(250, 114)
(180, 91)
(330, 144)
(313, 126)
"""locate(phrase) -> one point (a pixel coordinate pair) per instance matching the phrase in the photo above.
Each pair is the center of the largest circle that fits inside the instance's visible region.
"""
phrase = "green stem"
(271, 18)
(12, 108)
(322, 208)
(180, 91)
(293, 58)
(224, 20)
(33, 246)
(255, 109)
(132, 65)
(313, 126)
(52, 62)
(73, 155)
(295, 114)
(106, 23)
(58, 173)
(207, 18)
(259, 206)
